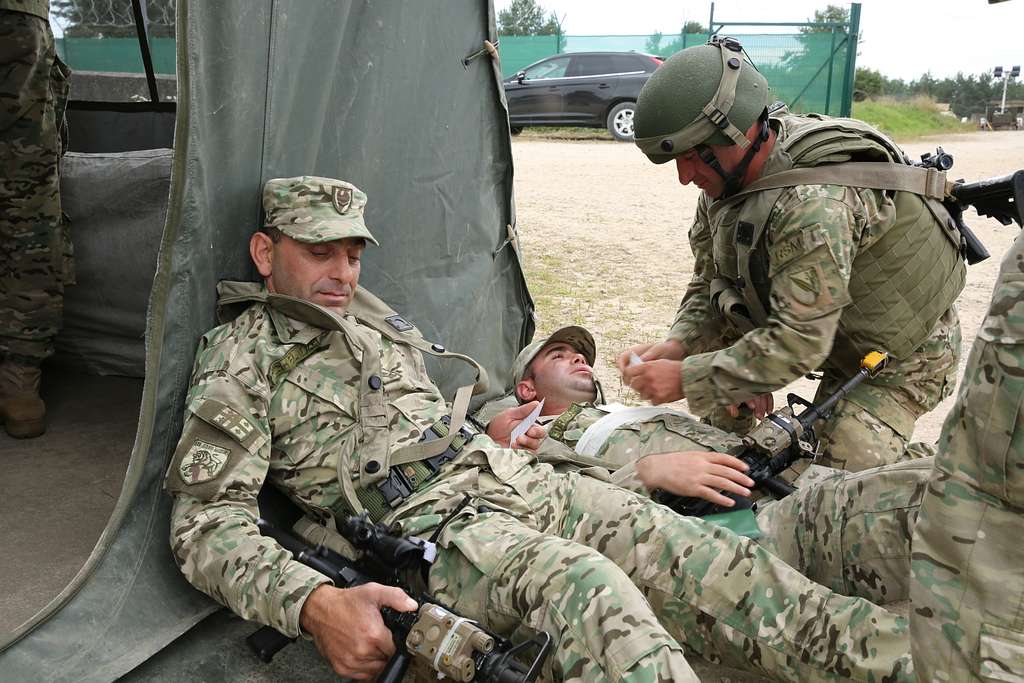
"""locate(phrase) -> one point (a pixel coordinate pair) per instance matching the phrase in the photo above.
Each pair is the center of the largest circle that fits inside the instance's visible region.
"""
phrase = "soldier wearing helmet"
(815, 242)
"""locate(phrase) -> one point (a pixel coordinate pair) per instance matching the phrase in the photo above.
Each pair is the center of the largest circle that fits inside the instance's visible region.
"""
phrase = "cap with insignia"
(573, 335)
(313, 209)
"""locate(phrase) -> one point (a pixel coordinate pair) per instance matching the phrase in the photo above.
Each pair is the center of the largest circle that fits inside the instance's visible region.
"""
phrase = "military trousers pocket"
(1000, 654)
(993, 401)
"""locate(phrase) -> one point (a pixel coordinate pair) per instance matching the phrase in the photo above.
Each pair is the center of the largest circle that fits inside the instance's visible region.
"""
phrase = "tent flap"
(374, 93)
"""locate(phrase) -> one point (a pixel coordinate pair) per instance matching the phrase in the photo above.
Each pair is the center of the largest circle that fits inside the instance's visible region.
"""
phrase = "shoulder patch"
(807, 287)
(202, 463)
(399, 323)
(229, 421)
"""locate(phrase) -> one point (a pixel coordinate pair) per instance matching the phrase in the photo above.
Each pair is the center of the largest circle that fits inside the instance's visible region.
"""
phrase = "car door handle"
(553, 88)
(603, 86)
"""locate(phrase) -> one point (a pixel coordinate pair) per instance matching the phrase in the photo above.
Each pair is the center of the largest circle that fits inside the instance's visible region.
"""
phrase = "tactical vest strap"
(873, 175)
(748, 235)
(373, 312)
(428, 449)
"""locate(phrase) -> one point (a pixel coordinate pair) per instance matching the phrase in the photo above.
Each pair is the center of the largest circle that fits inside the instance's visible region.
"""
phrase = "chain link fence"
(99, 35)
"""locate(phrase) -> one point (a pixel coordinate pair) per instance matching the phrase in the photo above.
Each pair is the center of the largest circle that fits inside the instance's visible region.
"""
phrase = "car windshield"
(553, 68)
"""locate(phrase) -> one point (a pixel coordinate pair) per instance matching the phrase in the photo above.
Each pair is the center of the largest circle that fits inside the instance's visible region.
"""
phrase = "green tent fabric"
(377, 93)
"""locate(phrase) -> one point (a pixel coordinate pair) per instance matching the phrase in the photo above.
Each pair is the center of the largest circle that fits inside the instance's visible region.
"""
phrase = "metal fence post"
(850, 74)
(831, 67)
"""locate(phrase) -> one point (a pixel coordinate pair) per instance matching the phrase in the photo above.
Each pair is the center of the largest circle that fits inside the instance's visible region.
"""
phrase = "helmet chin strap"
(734, 179)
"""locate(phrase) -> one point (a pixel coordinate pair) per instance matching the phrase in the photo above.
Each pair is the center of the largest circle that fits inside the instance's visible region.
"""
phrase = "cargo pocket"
(1001, 654)
(994, 396)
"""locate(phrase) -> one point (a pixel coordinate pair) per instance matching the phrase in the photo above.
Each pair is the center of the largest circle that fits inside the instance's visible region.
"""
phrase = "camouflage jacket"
(273, 399)
(813, 235)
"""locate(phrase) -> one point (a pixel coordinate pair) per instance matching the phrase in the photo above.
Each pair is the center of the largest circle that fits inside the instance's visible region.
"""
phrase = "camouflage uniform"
(850, 532)
(814, 234)
(34, 250)
(968, 568)
(618, 581)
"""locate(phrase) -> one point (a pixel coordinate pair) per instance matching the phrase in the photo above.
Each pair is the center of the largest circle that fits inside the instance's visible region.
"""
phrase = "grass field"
(908, 119)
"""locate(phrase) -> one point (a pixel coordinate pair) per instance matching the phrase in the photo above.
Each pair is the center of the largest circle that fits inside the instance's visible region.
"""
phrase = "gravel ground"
(603, 237)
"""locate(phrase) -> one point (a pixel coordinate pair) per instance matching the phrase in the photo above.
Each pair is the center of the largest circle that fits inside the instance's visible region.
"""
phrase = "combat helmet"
(704, 95)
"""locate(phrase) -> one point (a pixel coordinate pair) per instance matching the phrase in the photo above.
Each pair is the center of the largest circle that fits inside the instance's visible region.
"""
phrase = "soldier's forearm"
(764, 360)
(220, 551)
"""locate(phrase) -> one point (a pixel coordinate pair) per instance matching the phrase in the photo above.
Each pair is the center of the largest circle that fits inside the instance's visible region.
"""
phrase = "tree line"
(967, 94)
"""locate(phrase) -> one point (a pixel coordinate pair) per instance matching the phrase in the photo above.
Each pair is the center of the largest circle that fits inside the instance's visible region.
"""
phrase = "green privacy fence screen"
(808, 71)
(120, 55)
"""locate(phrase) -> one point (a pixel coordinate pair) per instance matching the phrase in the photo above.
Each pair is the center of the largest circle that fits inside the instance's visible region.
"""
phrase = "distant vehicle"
(1004, 119)
(589, 89)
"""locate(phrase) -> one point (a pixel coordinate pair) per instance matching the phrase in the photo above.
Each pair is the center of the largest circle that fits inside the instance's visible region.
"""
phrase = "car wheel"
(620, 121)
(515, 130)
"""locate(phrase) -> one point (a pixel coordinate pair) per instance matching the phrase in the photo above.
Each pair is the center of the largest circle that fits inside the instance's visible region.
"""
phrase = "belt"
(404, 480)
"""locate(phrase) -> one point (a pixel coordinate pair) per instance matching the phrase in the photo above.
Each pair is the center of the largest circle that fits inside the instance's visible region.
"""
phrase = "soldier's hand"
(658, 381)
(348, 629)
(501, 426)
(759, 405)
(700, 474)
(669, 349)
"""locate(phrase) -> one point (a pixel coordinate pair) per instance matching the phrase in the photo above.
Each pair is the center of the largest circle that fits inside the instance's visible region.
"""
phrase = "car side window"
(627, 63)
(553, 68)
(591, 65)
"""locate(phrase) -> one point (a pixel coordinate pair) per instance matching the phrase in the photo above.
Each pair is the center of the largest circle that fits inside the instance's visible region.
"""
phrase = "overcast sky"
(901, 38)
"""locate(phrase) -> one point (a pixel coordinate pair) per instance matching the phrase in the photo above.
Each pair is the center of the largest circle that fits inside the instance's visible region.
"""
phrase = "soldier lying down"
(850, 532)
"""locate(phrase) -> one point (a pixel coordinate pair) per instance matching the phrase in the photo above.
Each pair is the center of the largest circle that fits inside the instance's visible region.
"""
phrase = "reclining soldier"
(318, 388)
(850, 532)
(815, 242)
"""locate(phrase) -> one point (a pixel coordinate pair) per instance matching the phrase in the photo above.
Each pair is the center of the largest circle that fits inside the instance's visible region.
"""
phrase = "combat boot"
(22, 411)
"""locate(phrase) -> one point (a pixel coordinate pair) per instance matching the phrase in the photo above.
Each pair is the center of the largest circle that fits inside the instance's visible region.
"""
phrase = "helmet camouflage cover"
(708, 94)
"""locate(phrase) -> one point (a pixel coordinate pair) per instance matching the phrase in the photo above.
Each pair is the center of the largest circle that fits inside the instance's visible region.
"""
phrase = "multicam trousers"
(622, 584)
(875, 423)
(34, 249)
(967, 617)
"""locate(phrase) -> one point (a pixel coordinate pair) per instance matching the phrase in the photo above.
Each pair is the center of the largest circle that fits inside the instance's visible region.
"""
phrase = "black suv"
(591, 89)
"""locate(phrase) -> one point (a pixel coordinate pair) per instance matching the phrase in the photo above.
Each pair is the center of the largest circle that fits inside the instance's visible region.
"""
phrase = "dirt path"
(603, 233)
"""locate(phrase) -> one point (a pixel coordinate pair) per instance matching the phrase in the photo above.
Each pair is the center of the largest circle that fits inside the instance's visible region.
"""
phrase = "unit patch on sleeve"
(807, 286)
(203, 462)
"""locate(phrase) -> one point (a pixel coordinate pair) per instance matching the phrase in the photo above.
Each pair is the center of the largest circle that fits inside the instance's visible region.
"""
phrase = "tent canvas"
(375, 93)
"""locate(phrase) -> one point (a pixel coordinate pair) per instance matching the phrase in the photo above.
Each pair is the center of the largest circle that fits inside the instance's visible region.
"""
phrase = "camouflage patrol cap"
(573, 335)
(313, 209)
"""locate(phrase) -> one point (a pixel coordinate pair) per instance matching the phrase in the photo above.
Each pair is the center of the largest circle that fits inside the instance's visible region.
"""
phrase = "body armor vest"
(899, 286)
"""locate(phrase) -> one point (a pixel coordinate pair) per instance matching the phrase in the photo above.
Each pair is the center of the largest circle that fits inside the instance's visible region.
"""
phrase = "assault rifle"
(452, 645)
(1001, 198)
(775, 444)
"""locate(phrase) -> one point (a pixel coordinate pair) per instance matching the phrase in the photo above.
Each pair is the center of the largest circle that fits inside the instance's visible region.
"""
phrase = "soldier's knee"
(856, 440)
